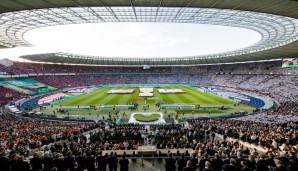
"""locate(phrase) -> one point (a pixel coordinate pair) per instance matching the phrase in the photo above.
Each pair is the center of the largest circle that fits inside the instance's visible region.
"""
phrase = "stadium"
(104, 100)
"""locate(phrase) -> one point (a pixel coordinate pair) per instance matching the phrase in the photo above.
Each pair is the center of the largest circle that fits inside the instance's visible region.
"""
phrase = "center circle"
(142, 40)
(147, 117)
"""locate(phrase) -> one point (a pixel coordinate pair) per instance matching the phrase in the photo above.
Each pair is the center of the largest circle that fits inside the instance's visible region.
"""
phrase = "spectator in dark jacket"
(36, 162)
(279, 166)
(170, 163)
(231, 166)
(283, 158)
(101, 162)
(292, 165)
(112, 161)
(244, 166)
(181, 162)
(21, 165)
(203, 161)
(123, 163)
(81, 162)
(48, 162)
(270, 160)
(59, 162)
(69, 161)
(262, 164)
(90, 161)
(216, 162)
(194, 161)
(188, 166)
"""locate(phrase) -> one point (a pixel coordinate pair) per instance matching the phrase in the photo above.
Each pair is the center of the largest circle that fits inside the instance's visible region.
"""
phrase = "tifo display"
(170, 91)
(51, 98)
(121, 91)
(79, 90)
(146, 92)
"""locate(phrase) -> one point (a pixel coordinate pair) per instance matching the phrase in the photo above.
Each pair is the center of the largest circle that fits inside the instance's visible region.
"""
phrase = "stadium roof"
(275, 20)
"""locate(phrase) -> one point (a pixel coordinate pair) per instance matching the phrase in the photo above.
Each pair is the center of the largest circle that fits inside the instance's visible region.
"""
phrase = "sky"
(134, 40)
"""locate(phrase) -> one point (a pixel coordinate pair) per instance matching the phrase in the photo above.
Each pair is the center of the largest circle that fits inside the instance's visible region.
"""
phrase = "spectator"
(230, 167)
(292, 165)
(279, 166)
(90, 162)
(101, 162)
(81, 162)
(262, 164)
(244, 166)
(123, 163)
(170, 163)
(36, 162)
(181, 162)
(69, 161)
(188, 166)
(59, 162)
(216, 162)
(194, 161)
(4, 161)
(48, 162)
(207, 167)
(203, 161)
(112, 161)
(21, 165)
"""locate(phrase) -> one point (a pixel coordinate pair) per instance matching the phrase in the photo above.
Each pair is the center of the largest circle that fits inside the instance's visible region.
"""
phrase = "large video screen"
(290, 63)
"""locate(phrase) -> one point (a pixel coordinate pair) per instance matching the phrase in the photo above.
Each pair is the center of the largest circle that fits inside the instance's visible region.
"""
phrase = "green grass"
(191, 96)
(142, 118)
(99, 97)
(199, 111)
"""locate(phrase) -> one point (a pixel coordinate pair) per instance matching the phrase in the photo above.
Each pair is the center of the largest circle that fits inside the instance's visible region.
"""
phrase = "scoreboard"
(43, 89)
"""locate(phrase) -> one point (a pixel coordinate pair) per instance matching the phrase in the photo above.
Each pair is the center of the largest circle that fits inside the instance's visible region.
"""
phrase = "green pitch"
(191, 96)
(99, 97)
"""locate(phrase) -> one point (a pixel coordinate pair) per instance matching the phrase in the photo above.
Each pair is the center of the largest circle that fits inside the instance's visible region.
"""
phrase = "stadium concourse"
(261, 141)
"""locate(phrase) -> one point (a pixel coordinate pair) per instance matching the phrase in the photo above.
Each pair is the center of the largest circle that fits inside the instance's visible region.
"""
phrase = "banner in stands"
(290, 63)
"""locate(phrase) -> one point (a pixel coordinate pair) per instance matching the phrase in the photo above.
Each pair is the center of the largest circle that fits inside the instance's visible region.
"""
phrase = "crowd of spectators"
(280, 87)
(267, 117)
(263, 77)
(39, 68)
(286, 108)
(270, 67)
(274, 136)
(275, 131)
(7, 95)
(21, 134)
(263, 134)
(201, 135)
(64, 81)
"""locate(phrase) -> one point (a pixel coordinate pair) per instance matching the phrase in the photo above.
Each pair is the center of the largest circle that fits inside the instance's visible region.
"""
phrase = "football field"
(191, 96)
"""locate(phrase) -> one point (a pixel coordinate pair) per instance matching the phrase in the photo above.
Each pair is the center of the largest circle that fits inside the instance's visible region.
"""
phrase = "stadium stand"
(33, 139)
(8, 95)
(265, 136)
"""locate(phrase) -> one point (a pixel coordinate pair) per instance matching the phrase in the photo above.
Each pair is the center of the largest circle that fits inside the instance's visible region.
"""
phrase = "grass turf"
(191, 96)
(142, 118)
